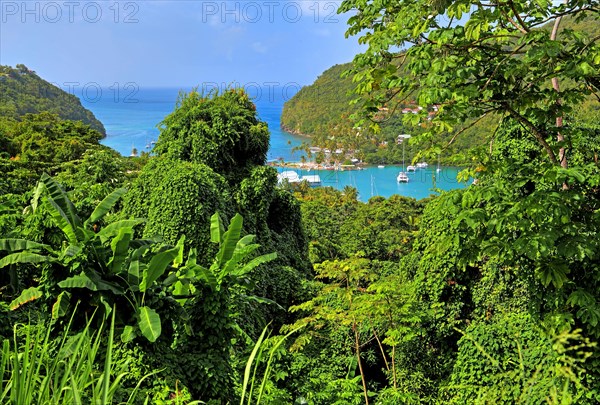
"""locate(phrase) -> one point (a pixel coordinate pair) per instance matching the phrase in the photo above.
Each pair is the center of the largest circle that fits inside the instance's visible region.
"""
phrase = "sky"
(175, 43)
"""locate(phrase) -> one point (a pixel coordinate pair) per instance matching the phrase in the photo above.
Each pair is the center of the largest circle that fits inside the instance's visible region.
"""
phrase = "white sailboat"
(402, 176)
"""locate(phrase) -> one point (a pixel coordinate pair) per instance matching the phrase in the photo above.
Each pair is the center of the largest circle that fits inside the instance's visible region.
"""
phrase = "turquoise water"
(374, 181)
(132, 122)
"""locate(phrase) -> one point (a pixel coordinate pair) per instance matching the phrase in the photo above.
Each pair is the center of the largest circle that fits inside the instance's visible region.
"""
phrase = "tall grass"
(263, 349)
(36, 369)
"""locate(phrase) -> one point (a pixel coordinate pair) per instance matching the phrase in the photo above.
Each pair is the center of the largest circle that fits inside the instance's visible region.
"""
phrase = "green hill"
(322, 104)
(22, 91)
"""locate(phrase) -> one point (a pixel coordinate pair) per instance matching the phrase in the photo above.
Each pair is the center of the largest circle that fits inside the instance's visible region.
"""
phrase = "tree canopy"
(472, 58)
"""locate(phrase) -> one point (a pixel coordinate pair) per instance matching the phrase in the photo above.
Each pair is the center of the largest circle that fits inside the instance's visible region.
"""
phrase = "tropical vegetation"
(190, 276)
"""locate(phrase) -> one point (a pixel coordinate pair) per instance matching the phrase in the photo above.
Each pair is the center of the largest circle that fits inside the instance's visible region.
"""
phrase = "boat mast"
(372, 186)
(404, 137)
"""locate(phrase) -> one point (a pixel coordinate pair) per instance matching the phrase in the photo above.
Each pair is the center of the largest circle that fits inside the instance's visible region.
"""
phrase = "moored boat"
(402, 177)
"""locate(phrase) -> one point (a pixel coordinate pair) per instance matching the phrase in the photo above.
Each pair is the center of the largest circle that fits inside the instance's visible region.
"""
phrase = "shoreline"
(284, 128)
(316, 166)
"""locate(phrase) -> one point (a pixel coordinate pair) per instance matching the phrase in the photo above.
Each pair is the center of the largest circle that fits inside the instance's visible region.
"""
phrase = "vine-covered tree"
(221, 131)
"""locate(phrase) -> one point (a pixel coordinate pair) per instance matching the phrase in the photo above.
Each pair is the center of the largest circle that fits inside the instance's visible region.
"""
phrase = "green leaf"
(23, 257)
(192, 255)
(581, 297)
(205, 275)
(170, 279)
(216, 228)
(60, 307)
(113, 229)
(30, 294)
(133, 273)
(37, 195)
(555, 274)
(180, 245)
(245, 241)
(120, 247)
(149, 323)
(82, 280)
(181, 289)
(128, 334)
(71, 251)
(108, 362)
(78, 281)
(61, 219)
(262, 300)
(239, 255)
(230, 240)
(106, 205)
(257, 261)
(248, 367)
(157, 266)
(59, 197)
(13, 245)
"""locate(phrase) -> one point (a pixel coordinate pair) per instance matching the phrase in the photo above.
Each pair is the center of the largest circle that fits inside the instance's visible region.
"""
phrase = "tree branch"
(463, 130)
(512, 7)
(513, 53)
(563, 14)
(536, 132)
(510, 20)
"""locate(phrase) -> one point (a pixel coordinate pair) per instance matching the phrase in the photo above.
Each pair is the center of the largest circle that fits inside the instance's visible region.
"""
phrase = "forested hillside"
(22, 92)
(322, 105)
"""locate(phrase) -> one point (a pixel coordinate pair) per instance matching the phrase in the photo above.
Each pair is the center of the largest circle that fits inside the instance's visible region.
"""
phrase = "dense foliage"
(321, 105)
(487, 294)
(43, 142)
(222, 132)
(508, 59)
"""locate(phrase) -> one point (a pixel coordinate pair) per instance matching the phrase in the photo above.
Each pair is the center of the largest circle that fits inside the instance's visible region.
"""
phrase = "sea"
(132, 117)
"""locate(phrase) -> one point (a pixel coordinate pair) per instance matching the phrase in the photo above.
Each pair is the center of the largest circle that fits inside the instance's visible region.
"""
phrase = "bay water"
(132, 122)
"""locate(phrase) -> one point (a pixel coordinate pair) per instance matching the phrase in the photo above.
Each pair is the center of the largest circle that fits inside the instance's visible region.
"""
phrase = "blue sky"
(174, 43)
